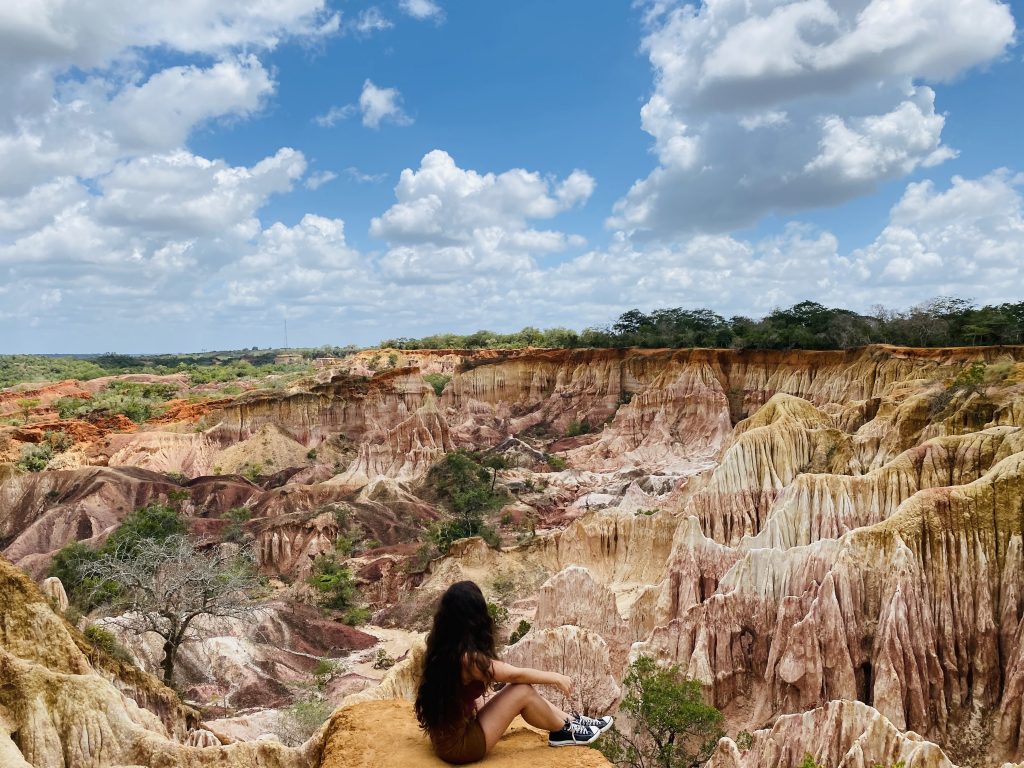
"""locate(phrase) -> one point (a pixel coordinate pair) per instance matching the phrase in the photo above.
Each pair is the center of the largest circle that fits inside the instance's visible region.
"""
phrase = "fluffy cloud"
(422, 9)
(968, 238)
(779, 106)
(448, 220)
(380, 105)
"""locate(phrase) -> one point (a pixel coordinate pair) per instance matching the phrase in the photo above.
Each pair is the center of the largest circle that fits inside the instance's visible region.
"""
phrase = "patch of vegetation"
(153, 523)
(201, 368)
(338, 590)
(252, 471)
(383, 660)
(135, 400)
(234, 531)
(105, 640)
(556, 463)
(672, 725)
(498, 612)
(438, 381)
(969, 379)
(464, 487)
(302, 719)
(577, 428)
(35, 458)
(519, 632)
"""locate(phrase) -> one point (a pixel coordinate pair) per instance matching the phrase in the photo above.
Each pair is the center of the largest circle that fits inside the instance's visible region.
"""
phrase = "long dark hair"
(462, 629)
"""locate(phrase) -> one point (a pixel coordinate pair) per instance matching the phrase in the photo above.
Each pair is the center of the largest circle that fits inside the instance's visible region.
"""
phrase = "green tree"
(672, 725)
(26, 404)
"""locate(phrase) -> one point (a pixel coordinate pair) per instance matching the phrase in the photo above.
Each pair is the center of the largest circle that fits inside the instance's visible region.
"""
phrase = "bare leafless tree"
(164, 586)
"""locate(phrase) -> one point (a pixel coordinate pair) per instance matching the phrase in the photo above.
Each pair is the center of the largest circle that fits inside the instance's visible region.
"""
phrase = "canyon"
(829, 542)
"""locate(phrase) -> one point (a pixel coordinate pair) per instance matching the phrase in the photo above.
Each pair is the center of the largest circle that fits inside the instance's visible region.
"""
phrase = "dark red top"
(470, 692)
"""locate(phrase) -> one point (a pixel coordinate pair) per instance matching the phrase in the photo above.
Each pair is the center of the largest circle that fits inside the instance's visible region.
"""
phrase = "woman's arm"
(503, 672)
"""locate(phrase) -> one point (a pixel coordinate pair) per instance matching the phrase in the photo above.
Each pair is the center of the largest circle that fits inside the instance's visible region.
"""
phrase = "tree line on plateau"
(942, 322)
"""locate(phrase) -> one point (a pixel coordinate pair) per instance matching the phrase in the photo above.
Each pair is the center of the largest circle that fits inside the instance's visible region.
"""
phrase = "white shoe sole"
(575, 742)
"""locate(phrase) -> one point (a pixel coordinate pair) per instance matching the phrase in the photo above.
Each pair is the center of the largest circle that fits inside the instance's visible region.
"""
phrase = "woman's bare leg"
(496, 715)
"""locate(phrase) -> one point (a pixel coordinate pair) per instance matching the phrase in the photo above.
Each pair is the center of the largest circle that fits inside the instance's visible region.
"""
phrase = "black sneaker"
(601, 723)
(572, 735)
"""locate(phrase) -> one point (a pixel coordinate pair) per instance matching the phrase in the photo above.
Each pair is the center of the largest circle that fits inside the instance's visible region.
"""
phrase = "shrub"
(234, 531)
(519, 632)
(35, 458)
(152, 523)
(58, 440)
(498, 612)
(577, 428)
(356, 616)
(105, 640)
(672, 726)
(557, 463)
(302, 719)
(335, 583)
(464, 488)
(383, 660)
(969, 379)
(438, 381)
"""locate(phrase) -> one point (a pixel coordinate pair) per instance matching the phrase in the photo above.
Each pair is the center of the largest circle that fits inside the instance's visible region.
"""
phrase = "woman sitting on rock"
(460, 663)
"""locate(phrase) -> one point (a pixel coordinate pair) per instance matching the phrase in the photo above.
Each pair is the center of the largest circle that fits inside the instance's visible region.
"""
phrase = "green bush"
(557, 463)
(672, 725)
(153, 521)
(234, 531)
(464, 488)
(335, 583)
(105, 640)
(519, 632)
(498, 612)
(969, 379)
(356, 616)
(58, 440)
(302, 719)
(35, 458)
(577, 428)
(438, 381)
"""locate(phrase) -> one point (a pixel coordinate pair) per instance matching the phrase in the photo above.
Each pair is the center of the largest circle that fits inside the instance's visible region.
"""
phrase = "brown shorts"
(467, 745)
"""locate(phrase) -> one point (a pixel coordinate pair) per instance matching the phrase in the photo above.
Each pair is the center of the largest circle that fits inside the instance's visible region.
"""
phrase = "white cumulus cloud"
(381, 105)
(782, 105)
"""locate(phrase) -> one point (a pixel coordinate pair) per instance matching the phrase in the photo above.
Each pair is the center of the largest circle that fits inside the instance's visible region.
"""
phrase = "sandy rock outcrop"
(384, 734)
(841, 734)
(53, 589)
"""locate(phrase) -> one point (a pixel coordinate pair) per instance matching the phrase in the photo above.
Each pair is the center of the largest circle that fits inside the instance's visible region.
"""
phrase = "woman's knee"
(522, 691)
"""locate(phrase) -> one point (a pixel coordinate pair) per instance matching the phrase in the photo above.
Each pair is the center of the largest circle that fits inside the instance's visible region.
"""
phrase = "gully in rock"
(459, 665)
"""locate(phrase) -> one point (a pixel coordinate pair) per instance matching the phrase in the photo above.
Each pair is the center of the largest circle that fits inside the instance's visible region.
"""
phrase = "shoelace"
(579, 728)
(588, 721)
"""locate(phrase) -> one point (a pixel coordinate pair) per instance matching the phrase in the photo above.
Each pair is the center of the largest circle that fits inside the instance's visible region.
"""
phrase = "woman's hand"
(564, 684)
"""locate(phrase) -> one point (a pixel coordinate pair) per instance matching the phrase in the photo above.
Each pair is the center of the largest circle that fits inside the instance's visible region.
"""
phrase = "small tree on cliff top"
(165, 586)
(672, 726)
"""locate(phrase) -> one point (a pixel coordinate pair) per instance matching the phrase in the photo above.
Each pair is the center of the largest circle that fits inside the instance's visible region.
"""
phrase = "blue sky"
(176, 179)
